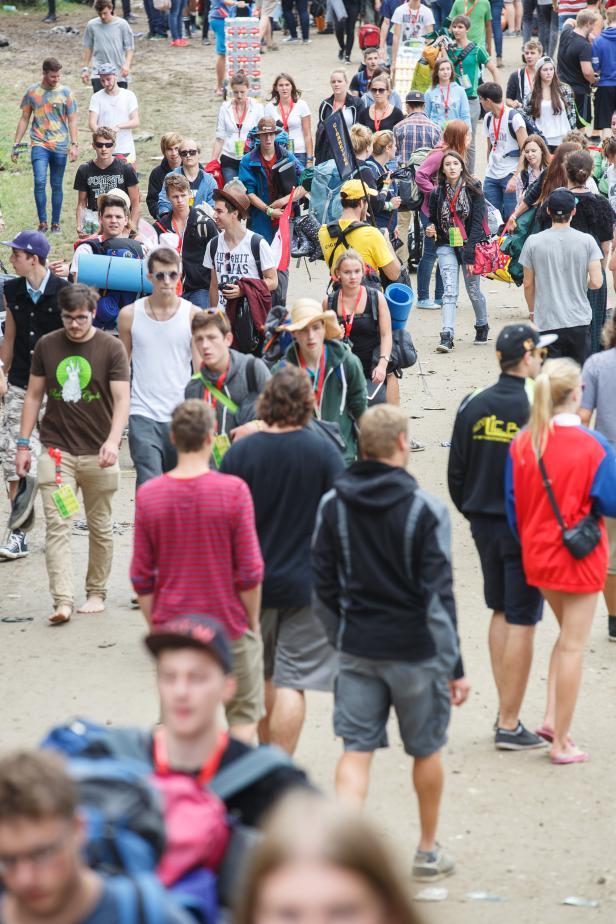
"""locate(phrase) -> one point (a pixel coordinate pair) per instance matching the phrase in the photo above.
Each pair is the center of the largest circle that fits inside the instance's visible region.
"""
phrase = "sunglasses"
(379, 89)
(172, 275)
(190, 153)
(103, 144)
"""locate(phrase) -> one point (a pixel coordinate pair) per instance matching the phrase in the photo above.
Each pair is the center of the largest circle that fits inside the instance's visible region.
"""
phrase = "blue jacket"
(604, 57)
(457, 105)
(207, 185)
(253, 176)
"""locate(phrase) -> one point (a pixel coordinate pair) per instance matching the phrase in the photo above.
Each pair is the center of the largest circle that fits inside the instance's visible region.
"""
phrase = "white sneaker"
(427, 303)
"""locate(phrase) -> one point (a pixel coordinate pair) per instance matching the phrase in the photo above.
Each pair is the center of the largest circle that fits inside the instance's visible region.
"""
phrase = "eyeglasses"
(37, 857)
(172, 275)
(379, 89)
(103, 144)
(190, 153)
(75, 318)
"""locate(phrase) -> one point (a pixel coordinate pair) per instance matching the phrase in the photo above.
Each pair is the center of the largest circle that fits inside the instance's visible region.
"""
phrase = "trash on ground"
(484, 897)
(144, 136)
(581, 902)
(432, 894)
(445, 444)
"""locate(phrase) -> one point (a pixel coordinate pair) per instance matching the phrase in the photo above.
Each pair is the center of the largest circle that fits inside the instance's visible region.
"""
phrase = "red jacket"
(582, 468)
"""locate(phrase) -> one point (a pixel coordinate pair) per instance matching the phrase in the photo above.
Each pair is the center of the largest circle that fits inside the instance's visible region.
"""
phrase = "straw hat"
(113, 194)
(306, 311)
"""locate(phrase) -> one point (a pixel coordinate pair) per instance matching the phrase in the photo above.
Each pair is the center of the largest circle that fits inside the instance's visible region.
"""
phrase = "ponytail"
(553, 386)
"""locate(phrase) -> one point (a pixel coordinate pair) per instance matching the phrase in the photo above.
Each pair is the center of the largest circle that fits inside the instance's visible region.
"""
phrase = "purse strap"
(548, 487)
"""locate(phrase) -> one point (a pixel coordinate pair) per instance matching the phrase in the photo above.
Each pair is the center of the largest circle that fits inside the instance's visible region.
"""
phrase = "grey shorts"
(610, 525)
(366, 689)
(296, 652)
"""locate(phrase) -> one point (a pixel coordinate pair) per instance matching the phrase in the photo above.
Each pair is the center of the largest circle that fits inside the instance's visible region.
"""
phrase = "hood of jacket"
(374, 486)
(609, 35)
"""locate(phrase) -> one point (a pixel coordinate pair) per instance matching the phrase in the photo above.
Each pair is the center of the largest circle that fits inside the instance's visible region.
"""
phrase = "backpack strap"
(373, 302)
(248, 769)
(251, 376)
(332, 300)
(521, 83)
(255, 246)
(126, 894)
(334, 230)
(213, 245)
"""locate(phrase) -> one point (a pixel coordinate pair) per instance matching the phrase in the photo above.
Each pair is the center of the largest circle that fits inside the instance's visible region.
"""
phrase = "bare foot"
(60, 615)
(92, 605)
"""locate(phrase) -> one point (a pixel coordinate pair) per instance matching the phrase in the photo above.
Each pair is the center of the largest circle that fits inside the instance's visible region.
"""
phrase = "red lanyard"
(414, 19)
(497, 128)
(220, 381)
(319, 377)
(348, 325)
(209, 768)
(377, 122)
(285, 116)
(56, 455)
(446, 98)
(179, 288)
(452, 203)
(239, 122)
(469, 9)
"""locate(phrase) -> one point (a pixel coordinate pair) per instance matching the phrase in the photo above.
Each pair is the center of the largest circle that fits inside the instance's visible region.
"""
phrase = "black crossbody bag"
(580, 539)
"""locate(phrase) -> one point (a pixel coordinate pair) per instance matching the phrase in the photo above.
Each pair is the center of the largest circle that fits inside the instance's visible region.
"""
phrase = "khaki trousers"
(98, 485)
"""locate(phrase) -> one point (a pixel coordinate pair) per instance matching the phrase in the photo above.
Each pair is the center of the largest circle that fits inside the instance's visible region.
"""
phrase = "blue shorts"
(504, 582)
(218, 28)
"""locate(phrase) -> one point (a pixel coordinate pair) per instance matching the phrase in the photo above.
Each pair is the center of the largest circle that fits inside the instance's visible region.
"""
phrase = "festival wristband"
(269, 211)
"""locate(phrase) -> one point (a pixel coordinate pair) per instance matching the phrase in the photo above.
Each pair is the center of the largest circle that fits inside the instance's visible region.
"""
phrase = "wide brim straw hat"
(306, 311)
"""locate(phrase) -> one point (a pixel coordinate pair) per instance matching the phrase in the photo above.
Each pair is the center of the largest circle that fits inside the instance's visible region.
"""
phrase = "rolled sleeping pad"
(399, 300)
(119, 273)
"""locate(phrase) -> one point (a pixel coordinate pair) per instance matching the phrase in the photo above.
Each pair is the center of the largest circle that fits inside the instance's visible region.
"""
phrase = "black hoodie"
(381, 559)
(155, 184)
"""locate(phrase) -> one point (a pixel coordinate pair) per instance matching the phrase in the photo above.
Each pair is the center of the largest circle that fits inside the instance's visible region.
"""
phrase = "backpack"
(406, 180)
(140, 899)
(325, 203)
(369, 36)
(371, 277)
(531, 128)
(112, 300)
(255, 247)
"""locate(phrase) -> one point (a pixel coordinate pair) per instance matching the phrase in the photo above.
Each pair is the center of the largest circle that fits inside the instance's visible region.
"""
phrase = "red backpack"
(369, 36)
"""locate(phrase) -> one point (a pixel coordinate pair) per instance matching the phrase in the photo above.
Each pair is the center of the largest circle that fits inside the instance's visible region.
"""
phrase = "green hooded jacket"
(343, 398)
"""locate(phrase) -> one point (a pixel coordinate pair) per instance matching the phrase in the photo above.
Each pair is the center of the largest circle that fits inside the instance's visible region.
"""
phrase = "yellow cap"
(355, 189)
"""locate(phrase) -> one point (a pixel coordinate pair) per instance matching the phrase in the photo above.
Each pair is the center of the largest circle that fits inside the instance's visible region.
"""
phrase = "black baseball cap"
(192, 631)
(414, 96)
(516, 339)
(561, 201)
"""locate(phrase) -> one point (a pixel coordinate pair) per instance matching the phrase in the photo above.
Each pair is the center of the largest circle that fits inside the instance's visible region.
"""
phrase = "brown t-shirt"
(79, 408)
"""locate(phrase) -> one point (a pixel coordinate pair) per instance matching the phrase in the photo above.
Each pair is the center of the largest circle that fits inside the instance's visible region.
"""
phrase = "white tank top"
(161, 362)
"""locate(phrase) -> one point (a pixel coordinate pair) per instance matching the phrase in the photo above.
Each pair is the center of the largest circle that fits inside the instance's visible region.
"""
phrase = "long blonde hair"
(553, 386)
(306, 826)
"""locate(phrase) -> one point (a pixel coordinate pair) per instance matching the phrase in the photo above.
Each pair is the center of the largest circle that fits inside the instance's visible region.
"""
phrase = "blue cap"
(561, 201)
(31, 242)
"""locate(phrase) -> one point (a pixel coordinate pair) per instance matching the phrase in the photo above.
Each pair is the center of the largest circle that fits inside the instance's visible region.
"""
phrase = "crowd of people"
(335, 574)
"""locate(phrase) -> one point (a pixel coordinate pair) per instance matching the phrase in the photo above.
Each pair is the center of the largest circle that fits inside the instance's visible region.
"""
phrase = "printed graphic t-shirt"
(95, 180)
(237, 262)
(50, 111)
(415, 23)
(77, 376)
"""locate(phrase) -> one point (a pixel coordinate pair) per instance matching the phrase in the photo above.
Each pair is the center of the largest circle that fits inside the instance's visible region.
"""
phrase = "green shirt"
(479, 12)
(468, 71)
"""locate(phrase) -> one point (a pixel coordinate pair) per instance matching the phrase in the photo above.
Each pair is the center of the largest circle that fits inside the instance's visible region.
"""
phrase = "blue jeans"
(41, 159)
(450, 271)
(175, 19)
(198, 297)
(497, 26)
(157, 20)
(302, 12)
(229, 173)
(440, 11)
(426, 264)
(494, 191)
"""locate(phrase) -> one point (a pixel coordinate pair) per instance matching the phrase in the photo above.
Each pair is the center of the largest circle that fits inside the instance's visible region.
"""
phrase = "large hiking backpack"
(325, 203)
(369, 36)
(112, 300)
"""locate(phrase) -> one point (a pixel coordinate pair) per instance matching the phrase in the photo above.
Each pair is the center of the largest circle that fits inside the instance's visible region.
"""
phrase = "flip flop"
(580, 758)
(548, 735)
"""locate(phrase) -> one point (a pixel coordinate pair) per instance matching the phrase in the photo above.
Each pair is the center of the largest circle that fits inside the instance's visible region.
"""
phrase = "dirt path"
(518, 828)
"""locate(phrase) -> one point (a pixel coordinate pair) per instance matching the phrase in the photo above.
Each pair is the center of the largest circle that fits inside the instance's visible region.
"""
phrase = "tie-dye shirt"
(50, 111)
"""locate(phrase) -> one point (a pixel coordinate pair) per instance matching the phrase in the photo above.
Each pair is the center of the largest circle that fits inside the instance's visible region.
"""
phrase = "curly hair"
(287, 398)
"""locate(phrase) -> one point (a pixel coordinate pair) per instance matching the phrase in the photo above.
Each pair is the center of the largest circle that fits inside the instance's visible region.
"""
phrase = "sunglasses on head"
(103, 144)
(189, 153)
(171, 275)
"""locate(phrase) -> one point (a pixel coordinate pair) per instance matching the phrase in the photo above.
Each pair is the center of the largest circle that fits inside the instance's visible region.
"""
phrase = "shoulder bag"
(580, 539)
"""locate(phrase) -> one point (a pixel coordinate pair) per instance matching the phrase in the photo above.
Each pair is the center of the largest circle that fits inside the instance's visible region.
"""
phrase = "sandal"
(548, 735)
(560, 759)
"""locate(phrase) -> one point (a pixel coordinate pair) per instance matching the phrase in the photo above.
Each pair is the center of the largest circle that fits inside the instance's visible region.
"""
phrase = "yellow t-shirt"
(368, 242)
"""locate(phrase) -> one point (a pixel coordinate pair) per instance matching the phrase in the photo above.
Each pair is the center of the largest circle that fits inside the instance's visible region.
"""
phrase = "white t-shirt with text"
(237, 262)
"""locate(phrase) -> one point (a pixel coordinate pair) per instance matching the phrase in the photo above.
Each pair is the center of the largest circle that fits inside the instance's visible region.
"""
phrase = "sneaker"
(290, 40)
(481, 334)
(341, 56)
(306, 41)
(446, 344)
(55, 228)
(347, 59)
(205, 41)
(414, 446)
(50, 19)
(16, 546)
(519, 740)
(132, 17)
(429, 866)
(427, 303)
(43, 226)
(611, 628)
(499, 62)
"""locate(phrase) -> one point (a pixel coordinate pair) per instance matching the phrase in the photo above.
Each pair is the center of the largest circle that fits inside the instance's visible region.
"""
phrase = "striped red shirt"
(196, 547)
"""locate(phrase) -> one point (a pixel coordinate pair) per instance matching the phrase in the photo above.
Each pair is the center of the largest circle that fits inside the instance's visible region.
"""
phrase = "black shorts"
(573, 342)
(504, 582)
(605, 106)
(583, 109)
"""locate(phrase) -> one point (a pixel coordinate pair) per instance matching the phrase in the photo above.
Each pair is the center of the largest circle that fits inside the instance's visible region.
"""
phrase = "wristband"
(22, 442)
(85, 70)
(386, 358)
(269, 211)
